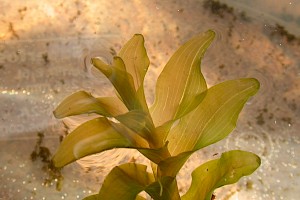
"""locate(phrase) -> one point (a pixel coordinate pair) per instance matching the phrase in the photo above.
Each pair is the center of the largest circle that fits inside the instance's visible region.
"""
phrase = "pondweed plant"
(185, 117)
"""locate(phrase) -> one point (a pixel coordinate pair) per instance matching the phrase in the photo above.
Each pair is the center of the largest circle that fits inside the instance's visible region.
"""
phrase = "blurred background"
(45, 48)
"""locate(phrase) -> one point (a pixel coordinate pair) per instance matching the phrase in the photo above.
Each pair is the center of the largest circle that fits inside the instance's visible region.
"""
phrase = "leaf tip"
(210, 32)
(256, 83)
(139, 36)
(55, 113)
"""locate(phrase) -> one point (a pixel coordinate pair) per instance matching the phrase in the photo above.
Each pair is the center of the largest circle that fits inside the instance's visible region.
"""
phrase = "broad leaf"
(214, 118)
(89, 138)
(227, 170)
(124, 85)
(83, 103)
(98, 135)
(137, 121)
(135, 58)
(171, 166)
(128, 180)
(165, 189)
(136, 61)
(125, 182)
(181, 80)
(121, 80)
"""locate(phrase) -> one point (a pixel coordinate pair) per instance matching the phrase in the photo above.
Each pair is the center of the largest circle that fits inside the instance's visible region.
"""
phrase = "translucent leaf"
(165, 189)
(98, 135)
(89, 138)
(181, 80)
(113, 105)
(125, 182)
(227, 170)
(137, 121)
(128, 180)
(121, 80)
(155, 155)
(135, 58)
(83, 103)
(214, 118)
(171, 166)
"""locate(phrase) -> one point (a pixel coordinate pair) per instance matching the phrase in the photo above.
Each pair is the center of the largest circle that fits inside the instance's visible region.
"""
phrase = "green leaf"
(137, 121)
(125, 182)
(83, 103)
(171, 166)
(227, 170)
(124, 84)
(136, 63)
(181, 81)
(164, 189)
(135, 58)
(91, 137)
(155, 155)
(91, 197)
(98, 135)
(214, 118)
(128, 180)
(113, 105)
(121, 80)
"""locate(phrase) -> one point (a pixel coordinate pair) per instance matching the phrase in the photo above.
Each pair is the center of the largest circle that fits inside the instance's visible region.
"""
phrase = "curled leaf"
(125, 182)
(181, 80)
(84, 103)
(216, 173)
(214, 118)
(121, 80)
(91, 137)
(135, 58)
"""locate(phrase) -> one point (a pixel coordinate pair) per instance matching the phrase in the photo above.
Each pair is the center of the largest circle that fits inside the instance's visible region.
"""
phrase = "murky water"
(44, 56)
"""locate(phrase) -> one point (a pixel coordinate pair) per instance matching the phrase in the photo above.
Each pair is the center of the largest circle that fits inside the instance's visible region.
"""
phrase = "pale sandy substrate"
(44, 51)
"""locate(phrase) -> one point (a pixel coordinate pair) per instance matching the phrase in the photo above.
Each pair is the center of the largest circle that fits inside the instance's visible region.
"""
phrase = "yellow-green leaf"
(214, 118)
(121, 80)
(135, 58)
(125, 182)
(91, 197)
(98, 135)
(91, 137)
(128, 180)
(224, 171)
(171, 166)
(181, 80)
(83, 103)
(164, 189)
(137, 121)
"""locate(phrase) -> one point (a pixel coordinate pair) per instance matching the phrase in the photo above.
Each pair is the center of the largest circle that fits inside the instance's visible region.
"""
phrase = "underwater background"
(45, 48)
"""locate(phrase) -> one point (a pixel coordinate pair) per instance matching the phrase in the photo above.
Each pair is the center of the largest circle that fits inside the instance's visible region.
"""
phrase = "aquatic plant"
(185, 117)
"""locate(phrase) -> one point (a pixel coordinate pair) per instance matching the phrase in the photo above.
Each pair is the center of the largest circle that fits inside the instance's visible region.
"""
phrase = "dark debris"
(43, 154)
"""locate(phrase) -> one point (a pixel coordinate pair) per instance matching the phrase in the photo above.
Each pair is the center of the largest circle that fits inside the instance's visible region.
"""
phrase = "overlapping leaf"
(128, 180)
(204, 117)
(181, 81)
(214, 118)
(125, 182)
(121, 80)
(135, 58)
(98, 135)
(216, 173)
(91, 137)
(83, 103)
